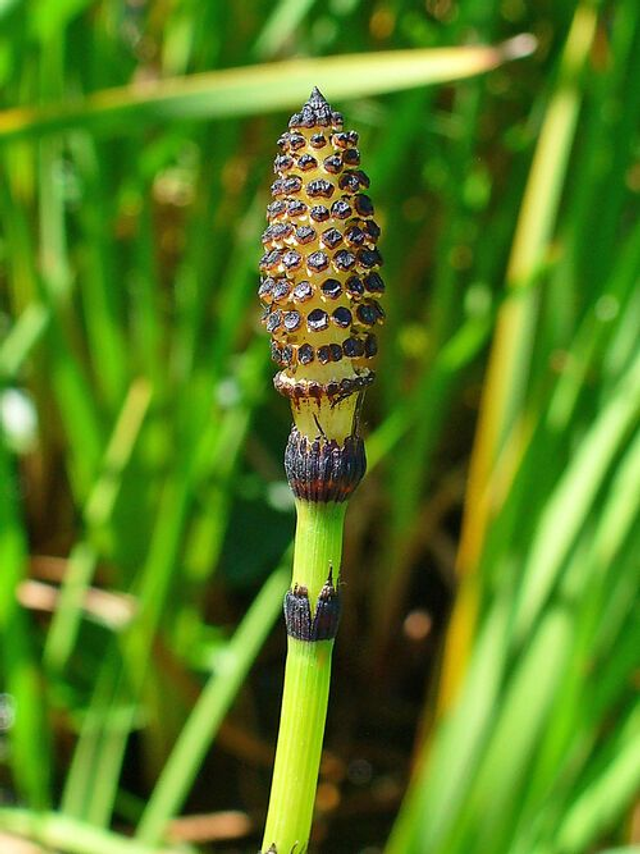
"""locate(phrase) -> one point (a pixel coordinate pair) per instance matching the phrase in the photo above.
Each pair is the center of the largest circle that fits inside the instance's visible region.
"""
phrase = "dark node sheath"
(328, 610)
(326, 619)
(322, 470)
(297, 613)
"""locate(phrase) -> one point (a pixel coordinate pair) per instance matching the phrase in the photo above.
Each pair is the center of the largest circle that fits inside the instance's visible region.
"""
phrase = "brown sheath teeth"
(323, 624)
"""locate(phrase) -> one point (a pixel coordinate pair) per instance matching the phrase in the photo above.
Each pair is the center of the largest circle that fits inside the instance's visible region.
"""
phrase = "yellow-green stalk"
(320, 287)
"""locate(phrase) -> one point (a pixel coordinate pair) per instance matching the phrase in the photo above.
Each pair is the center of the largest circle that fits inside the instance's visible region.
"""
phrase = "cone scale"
(320, 289)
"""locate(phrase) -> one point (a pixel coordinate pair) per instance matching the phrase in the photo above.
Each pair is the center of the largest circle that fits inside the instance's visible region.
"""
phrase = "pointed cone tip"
(316, 97)
(316, 112)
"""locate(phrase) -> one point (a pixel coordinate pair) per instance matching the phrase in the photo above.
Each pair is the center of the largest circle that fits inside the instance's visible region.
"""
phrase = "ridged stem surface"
(318, 549)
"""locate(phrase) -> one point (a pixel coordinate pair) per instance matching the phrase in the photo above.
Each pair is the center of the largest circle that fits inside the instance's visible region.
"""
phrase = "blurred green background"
(486, 673)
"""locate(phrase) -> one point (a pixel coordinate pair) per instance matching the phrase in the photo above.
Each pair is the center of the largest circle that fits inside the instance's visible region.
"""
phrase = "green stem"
(318, 547)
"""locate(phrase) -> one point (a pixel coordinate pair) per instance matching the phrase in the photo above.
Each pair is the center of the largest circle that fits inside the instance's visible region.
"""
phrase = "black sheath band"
(322, 470)
(324, 623)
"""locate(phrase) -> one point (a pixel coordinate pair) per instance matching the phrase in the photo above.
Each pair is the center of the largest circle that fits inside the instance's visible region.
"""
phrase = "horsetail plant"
(319, 286)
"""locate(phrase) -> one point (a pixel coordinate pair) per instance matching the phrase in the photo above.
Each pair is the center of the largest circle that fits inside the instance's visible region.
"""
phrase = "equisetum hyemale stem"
(320, 286)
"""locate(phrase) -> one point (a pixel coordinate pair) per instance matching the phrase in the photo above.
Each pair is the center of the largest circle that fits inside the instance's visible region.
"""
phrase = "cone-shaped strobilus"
(320, 288)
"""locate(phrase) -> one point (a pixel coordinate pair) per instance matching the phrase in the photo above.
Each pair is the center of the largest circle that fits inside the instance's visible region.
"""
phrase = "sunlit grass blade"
(453, 358)
(100, 750)
(601, 567)
(26, 332)
(595, 808)
(83, 557)
(71, 836)
(569, 505)
(440, 785)
(148, 333)
(107, 721)
(203, 257)
(203, 548)
(520, 721)
(261, 88)
(207, 715)
(509, 363)
(595, 333)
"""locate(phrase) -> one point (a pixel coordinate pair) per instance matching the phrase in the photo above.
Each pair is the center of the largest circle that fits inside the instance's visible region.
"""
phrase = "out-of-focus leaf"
(262, 88)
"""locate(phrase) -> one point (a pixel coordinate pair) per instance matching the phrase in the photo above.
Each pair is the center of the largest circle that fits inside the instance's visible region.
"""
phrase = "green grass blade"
(71, 836)
(508, 371)
(509, 364)
(25, 333)
(280, 26)
(570, 504)
(114, 707)
(107, 721)
(83, 558)
(106, 334)
(263, 88)
(29, 736)
(64, 372)
(521, 718)
(215, 700)
(441, 785)
(594, 810)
